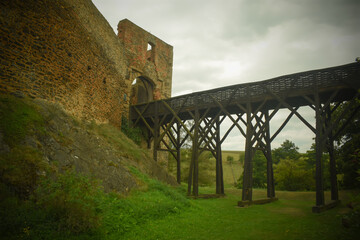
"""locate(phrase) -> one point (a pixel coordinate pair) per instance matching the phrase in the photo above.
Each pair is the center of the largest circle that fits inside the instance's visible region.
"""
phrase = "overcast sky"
(226, 42)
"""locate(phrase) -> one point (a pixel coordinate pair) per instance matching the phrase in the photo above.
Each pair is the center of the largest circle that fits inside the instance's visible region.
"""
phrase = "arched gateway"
(253, 104)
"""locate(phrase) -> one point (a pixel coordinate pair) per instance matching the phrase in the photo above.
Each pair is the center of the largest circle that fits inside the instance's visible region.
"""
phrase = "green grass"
(115, 137)
(288, 218)
(18, 117)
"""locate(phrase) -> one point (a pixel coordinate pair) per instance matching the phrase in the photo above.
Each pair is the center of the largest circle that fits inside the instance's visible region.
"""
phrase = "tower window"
(150, 53)
(149, 47)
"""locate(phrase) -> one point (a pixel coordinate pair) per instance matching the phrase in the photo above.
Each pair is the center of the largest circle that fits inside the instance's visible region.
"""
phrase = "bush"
(291, 175)
(72, 201)
(134, 134)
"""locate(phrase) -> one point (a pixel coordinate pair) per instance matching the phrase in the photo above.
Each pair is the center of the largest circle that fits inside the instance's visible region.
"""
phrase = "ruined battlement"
(150, 63)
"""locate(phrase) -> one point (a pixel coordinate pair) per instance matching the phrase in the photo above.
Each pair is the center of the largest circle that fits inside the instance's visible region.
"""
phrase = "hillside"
(61, 142)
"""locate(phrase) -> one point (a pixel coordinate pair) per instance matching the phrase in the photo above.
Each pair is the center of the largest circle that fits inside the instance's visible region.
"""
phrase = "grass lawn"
(288, 218)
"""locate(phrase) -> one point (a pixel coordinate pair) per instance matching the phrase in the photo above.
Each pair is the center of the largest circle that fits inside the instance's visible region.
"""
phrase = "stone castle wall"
(65, 51)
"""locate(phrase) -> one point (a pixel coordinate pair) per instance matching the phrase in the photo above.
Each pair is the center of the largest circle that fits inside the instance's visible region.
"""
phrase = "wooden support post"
(320, 199)
(248, 166)
(156, 131)
(219, 169)
(222, 189)
(330, 147)
(270, 173)
(178, 153)
(195, 154)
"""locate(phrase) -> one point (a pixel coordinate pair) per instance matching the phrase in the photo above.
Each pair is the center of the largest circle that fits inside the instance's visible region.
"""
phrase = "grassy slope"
(68, 205)
(221, 219)
(236, 166)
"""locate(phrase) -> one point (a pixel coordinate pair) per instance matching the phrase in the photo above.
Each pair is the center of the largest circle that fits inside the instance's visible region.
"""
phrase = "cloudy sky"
(225, 42)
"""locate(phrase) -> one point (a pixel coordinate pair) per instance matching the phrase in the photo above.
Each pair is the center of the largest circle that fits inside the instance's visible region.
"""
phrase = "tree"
(348, 141)
(292, 175)
(287, 149)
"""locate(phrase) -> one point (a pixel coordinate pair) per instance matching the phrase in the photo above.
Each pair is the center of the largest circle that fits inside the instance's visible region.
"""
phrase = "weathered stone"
(65, 51)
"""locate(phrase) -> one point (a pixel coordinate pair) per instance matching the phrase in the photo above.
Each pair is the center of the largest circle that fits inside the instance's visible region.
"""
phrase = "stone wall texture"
(66, 52)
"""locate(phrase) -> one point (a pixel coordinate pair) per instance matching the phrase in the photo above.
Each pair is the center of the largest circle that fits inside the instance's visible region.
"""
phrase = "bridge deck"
(296, 88)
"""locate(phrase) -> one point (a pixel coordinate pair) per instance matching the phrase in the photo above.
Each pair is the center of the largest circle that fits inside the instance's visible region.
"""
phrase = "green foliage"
(287, 149)
(291, 175)
(57, 209)
(21, 168)
(134, 134)
(352, 219)
(71, 200)
(348, 151)
(349, 162)
(206, 167)
(230, 159)
(75, 206)
(292, 172)
(18, 117)
(259, 171)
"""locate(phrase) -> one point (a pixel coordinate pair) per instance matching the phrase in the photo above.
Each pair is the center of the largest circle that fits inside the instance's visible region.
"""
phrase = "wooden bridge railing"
(293, 85)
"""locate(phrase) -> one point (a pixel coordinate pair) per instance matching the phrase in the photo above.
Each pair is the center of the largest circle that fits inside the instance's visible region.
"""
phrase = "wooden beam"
(282, 125)
(320, 199)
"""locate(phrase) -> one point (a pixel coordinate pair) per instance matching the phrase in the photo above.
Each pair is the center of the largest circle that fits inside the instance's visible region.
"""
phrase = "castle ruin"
(66, 52)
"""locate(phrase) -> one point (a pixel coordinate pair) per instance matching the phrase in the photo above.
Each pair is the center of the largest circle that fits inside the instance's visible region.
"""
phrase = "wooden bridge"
(250, 107)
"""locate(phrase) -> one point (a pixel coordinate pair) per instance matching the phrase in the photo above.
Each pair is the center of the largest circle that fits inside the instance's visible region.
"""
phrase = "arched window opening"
(142, 91)
(150, 53)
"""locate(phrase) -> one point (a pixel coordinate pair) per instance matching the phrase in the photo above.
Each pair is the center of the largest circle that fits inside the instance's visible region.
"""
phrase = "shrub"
(72, 200)
(134, 134)
(291, 175)
(21, 168)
